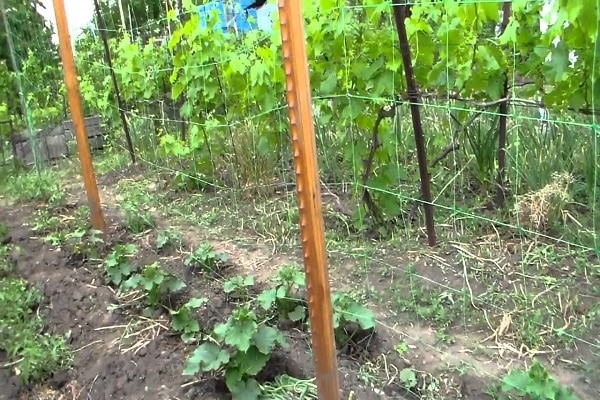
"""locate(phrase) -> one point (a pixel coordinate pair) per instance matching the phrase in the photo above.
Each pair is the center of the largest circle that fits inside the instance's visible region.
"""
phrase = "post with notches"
(83, 146)
(309, 198)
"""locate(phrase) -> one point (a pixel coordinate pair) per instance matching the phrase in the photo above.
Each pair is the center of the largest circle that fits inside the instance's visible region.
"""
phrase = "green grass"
(33, 353)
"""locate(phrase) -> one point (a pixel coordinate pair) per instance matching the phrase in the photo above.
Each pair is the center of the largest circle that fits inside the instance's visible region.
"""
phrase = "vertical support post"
(309, 198)
(401, 12)
(108, 59)
(83, 146)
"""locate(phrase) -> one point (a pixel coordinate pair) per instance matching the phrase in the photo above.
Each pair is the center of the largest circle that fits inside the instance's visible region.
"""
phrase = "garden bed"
(121, 351)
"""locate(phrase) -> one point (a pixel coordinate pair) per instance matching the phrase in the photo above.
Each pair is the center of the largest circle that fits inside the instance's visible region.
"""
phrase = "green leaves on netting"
(230, 89)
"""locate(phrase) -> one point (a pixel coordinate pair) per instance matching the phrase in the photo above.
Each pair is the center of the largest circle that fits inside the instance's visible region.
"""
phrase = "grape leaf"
(558, 63)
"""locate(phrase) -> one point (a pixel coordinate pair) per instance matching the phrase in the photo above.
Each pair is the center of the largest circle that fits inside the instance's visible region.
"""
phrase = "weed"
(135, 204)
(38, 355)
(438, 307)
(31, 186)
(45, 222)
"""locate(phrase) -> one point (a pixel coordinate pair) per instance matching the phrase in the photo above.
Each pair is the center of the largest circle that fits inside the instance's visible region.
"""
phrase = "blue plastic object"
(230, 17)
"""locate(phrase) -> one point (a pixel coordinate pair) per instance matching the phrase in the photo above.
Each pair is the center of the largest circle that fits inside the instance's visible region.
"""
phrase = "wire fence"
(515, 272)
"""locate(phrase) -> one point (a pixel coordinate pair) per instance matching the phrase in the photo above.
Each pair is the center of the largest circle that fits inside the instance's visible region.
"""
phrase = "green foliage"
(239, 286)
(31, 36)
(85, 242)
(141, 13)
(227, 88)
(347, 310)
(38, 355)
(241, 348)
(155, 282)
(184, 321)
(138, 216)
(168, 239)
(534, 384)
(117, 266)
(30, 186)
(6, 263)
(286, 294)
(76, 234)
(45, 222)
(205, 258)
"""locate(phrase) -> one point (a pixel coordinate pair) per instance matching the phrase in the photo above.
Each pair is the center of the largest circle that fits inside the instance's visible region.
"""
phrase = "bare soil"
(107, 365)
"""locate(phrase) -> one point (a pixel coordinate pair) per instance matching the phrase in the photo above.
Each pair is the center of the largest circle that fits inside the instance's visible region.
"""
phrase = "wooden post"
(309, 198)
(83, 146)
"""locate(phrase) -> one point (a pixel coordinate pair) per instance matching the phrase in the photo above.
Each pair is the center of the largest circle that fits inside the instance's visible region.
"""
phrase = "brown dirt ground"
(149, 364)
(105, 368)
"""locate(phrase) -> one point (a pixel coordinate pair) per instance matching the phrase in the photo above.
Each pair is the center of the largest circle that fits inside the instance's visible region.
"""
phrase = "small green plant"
(205, 258)
(533, 384)
(85, 242)
(37, 355)
(184, 321)
(155, 282)
(240, 349)
(44, 222)
(117, 265)
(409, 379)
(58, 198)
(348, 310)
(168, 239)
(137, 219)
(135, 204)
(239, 286)
(286, 294)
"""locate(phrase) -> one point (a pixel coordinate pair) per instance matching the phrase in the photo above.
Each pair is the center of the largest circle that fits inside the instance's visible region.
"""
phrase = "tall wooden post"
(83, 146)
(309, 198)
